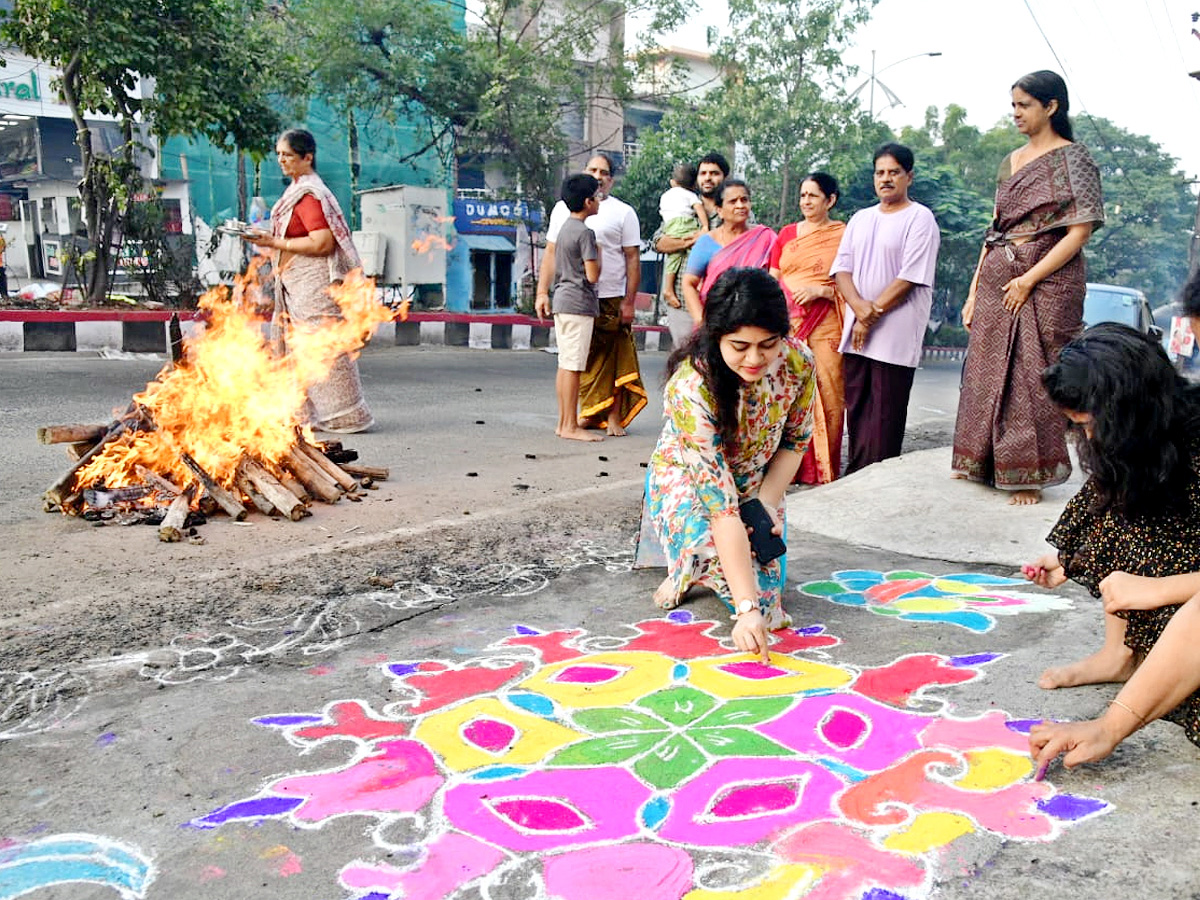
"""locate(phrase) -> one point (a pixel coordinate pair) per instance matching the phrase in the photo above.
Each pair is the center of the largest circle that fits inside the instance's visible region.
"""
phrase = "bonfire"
(225, 423)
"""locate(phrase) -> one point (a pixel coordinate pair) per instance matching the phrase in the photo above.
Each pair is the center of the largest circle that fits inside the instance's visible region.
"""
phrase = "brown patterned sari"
(1008, 433)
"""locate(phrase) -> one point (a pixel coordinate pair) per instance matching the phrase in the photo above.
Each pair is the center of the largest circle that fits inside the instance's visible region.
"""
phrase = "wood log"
(170, 530)
(379, 473)
(58, 491)
(156, 481)
(79, 449)
(71, 434)
(224, 499)
(289, 481)
(261, 503)
(332, 469)
(269, 487)
(313, 477)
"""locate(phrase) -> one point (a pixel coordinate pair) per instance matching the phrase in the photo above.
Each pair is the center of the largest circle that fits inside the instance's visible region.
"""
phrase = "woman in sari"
(1026, 300)
(735, 243)
(801, 260)
(738, 419)
(314, 250)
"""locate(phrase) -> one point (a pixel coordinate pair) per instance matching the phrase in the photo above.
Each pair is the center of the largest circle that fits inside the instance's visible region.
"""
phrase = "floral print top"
(775, 413)
(694, 478)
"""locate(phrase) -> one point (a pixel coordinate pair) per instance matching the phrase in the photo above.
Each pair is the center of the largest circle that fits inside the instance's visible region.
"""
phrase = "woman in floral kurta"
(696, 476)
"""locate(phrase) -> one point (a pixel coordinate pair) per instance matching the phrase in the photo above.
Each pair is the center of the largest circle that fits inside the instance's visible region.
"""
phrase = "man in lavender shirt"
(884, 268)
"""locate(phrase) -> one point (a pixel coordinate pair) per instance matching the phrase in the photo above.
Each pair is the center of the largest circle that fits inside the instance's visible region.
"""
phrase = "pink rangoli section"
(583, 774)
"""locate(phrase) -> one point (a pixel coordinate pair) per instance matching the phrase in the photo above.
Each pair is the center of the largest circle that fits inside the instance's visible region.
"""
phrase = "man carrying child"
(683, 215)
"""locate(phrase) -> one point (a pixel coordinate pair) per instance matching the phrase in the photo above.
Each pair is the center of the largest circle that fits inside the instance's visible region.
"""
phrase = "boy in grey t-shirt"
(577, 269)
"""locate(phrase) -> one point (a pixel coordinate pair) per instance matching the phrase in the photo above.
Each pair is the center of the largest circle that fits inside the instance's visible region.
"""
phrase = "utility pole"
(1194, 246)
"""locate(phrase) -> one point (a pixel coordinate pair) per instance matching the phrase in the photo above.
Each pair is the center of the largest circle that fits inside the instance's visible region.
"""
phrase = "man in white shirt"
(610, 390)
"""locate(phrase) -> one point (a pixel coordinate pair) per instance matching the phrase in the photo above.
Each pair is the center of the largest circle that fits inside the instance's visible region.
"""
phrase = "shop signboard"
(500, 217)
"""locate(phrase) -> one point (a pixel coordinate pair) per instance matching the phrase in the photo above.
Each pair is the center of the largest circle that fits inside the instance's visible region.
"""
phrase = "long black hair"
(1145, 418)
(1044, 86)
(740, 297)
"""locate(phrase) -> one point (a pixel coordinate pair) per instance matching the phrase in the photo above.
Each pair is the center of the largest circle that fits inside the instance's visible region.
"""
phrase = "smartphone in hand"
(765, 544)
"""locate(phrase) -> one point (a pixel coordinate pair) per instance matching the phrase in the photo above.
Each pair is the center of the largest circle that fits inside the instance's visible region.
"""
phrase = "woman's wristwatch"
(744, 606)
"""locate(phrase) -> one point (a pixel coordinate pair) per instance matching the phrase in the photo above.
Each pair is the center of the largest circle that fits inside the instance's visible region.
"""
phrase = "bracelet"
(1129, 709)
(878, 310)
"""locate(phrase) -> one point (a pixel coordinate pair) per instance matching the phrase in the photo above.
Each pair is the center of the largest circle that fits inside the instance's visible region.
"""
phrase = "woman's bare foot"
(961, 476)
(666, 597)
(1025, 498)
(615, 429)
(579, 434)
(1102, 667)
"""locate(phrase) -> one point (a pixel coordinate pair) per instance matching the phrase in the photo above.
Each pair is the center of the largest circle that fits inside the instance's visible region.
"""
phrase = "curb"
(146, 331)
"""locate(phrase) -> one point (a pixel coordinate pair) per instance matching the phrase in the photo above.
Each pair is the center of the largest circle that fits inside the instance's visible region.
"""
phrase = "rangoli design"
(662, 765)
(970, 600)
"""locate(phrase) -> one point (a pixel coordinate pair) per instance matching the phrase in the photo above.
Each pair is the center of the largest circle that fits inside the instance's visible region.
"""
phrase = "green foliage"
(783, 96)
(1149, 210)
(395, 59)
(684, 135)
(205, 67)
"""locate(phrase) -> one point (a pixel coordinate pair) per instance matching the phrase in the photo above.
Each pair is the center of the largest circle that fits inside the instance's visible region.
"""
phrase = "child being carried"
(683, 215)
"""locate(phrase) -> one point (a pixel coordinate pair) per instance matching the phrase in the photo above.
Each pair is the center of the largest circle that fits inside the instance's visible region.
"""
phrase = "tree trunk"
(783, 191)
(241, 185)
(355, 170)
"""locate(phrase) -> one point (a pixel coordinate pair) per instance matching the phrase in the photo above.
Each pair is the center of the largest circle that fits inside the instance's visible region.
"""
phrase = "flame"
(234, 394)
(429, 243)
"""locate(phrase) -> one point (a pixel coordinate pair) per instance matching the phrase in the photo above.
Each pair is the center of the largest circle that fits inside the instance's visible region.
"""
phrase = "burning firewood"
(171, 529)
(344, 481)
(220, 427)
(71, 434)
(269, 487)
(160, 484)
(312, 476)
(224, 499)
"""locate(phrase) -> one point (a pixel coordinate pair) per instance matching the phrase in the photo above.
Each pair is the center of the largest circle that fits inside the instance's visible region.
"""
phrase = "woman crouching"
(1131, 536)
(738, 409)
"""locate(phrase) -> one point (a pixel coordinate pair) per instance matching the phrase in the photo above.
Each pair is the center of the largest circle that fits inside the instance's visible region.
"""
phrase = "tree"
(398, 59)
(163, 66)
(1149, 212)
(684, 135)
(783, 97)
(502, 90)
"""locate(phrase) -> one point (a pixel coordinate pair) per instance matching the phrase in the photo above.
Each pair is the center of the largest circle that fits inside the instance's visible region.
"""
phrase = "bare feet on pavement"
(579, 434)
(1025, 498)
(665, 597)
(1102, 667)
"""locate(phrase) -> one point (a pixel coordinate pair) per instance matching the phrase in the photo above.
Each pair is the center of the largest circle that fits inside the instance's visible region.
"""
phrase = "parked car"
(1111, 303)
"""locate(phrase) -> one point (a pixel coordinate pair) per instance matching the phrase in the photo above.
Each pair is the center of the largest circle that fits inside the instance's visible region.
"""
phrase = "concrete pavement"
(911, 505)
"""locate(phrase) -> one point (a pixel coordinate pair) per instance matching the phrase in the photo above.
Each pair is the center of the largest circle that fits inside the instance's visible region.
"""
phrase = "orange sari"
(805, 260)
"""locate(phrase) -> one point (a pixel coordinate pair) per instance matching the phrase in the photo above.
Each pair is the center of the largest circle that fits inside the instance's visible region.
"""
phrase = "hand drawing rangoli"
(969, 600)
(662, 766)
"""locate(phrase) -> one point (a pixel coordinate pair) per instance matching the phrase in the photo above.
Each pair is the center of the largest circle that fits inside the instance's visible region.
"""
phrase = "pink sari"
(753, 249)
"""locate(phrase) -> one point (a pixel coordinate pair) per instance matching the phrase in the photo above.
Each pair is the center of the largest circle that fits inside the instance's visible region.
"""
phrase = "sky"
(1125, 60)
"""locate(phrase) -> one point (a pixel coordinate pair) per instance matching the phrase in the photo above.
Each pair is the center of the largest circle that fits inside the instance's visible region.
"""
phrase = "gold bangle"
(1129, 709)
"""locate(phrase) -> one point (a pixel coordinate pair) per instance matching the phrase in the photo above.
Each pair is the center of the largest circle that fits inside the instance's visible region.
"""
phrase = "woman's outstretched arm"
(1169, 674)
